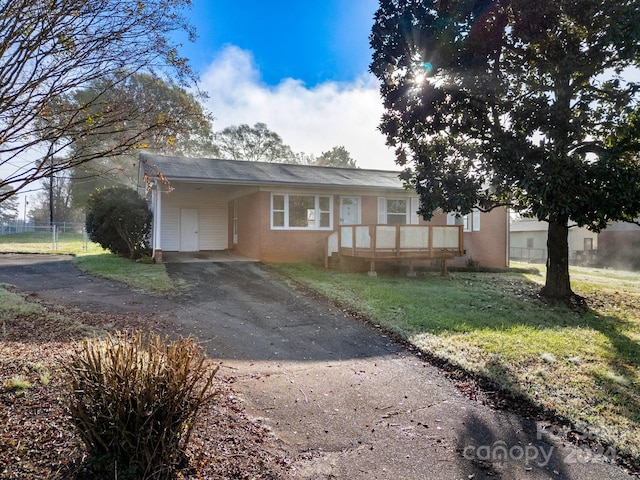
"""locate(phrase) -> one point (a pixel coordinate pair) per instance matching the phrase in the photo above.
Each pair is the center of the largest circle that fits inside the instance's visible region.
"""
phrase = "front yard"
(583, 366)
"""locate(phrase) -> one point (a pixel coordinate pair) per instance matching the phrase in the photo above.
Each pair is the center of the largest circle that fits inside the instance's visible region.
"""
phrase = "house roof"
(234, 172)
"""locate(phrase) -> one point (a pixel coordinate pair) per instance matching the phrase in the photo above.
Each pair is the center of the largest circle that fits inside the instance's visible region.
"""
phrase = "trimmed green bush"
(134, 400)
(119, 221)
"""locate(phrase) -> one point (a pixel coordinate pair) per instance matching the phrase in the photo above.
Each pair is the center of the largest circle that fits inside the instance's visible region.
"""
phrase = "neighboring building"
(276, 212)
(619, 246)
(528, 242)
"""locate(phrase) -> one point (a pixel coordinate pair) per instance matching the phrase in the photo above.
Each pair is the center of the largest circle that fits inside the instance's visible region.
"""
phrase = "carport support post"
(156, 207)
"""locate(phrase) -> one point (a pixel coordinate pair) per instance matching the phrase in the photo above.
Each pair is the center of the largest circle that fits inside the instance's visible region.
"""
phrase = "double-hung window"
(397, 211)
(470, 222)
(301, 212)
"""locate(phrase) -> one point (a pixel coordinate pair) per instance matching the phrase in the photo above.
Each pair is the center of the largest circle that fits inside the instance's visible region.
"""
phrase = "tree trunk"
(557, 285)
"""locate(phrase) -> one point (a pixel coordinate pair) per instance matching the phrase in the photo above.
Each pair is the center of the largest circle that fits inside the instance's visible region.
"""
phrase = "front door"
(349, 210)
(188, 230)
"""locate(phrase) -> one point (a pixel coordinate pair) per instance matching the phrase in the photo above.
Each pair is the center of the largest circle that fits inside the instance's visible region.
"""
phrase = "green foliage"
(170, 121)
(18, 384)
(120, 221)
(256, 144)
(50, 49)
(519, 103)
(135, 398)
(336, 157)
(8, 207)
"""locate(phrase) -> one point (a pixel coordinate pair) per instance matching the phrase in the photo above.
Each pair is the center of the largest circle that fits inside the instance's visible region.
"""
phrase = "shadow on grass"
(614, 369)
(500, 318)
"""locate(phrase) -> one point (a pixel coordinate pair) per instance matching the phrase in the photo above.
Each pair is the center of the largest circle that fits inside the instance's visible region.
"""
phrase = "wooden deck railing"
(396, 242)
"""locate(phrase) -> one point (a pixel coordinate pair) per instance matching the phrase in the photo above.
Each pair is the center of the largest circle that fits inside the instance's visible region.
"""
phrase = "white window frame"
(411, 210)
(317, 213)
(470, 222)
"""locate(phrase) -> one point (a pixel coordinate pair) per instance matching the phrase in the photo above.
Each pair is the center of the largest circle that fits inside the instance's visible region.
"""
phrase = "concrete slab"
(213, 256)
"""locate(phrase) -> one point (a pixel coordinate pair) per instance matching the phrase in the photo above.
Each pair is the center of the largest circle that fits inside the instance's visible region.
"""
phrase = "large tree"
(515, 102)
(52, 204)
(256, 144)
(170, 119)
(50, 49)
(336, 157)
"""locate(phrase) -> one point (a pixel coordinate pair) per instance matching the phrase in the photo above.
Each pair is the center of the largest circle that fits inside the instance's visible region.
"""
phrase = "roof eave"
(250, 183)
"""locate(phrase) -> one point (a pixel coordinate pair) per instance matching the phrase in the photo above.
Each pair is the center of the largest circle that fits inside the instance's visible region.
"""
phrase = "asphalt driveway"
(345, 401)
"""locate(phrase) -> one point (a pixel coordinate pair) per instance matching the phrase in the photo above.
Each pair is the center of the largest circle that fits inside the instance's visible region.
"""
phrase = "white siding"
(214, 224)
(170, 234)
(213, 227)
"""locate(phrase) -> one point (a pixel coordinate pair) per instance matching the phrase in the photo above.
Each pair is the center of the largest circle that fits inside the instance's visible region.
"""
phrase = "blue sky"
(310, 40)
(300, 66)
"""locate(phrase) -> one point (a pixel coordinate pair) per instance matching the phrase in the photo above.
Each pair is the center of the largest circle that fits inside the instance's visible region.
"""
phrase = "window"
(294, 212)
(277, 210)
(530, 242)
(397, 211)
(470, 222)
(588, 244)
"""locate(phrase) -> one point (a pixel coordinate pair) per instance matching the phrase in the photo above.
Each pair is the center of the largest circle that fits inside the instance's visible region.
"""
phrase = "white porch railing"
(389, 242)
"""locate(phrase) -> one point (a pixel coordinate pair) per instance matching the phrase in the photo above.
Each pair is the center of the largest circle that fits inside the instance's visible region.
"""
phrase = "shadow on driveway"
(239, 309)
(345, 401)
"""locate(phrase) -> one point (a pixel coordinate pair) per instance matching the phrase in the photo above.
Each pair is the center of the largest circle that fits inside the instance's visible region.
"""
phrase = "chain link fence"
(57, 234)
(19, 226)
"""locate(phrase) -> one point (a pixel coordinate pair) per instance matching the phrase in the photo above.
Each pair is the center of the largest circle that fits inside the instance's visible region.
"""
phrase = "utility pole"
(51, 193)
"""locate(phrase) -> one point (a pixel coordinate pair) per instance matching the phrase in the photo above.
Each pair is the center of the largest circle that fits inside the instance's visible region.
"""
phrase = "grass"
(149, 277)
(582, 365)
(92, 258)
(42, 242)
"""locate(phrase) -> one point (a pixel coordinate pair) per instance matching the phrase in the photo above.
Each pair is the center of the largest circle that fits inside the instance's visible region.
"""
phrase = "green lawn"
(584, 365)
(42, 242)
(92, 258)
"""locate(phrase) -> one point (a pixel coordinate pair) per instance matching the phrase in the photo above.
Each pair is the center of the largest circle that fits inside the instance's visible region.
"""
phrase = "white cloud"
(310, 120)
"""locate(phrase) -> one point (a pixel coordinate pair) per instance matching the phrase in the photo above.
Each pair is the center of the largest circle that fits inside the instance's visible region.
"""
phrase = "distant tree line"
(187, 131)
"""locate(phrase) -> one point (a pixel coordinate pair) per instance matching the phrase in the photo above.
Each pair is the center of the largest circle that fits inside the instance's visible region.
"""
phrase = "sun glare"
(422, 72)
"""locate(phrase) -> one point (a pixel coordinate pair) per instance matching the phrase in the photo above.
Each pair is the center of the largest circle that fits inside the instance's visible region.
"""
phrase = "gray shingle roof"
(233, 172)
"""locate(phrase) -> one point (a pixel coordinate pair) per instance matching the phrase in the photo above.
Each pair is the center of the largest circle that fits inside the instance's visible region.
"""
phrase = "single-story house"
(275, 212)
(619, 246)
(528, 241)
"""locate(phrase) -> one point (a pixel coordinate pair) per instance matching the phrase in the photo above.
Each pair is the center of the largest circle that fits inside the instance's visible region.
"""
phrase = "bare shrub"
(134, 400)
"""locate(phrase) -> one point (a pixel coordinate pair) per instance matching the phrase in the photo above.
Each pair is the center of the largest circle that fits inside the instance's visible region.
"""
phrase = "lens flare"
(427, 67)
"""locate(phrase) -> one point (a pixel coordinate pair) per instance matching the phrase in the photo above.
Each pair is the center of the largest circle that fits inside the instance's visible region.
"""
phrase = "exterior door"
(188, 230)
(350, 211)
